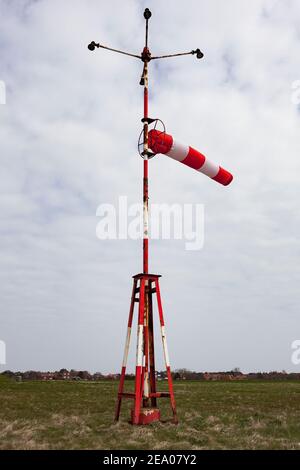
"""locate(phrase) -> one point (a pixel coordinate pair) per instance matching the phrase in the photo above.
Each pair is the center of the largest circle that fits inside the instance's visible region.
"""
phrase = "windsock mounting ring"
(155, 124)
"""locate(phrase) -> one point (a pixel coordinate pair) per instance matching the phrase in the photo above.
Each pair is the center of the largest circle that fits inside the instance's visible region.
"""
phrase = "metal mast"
(146, 57)
(145, 285)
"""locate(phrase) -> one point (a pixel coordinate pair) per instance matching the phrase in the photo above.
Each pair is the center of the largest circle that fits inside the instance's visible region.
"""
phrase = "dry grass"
(213, 415)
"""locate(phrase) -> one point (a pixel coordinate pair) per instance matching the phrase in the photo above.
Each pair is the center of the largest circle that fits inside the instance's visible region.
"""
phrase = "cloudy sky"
(68, 138)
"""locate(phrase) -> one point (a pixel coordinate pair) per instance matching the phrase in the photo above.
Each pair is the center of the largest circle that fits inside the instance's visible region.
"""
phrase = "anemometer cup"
(92, 46)
(198, 53)
(147, 14)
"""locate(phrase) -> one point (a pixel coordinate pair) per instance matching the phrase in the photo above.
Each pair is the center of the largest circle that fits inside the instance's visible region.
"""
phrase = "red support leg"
(139, 355)
(125, 357)
(151, 348)
(146, 385)
(166, 354)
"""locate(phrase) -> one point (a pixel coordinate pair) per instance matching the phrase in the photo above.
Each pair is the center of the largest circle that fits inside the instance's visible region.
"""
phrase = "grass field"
(213, 415)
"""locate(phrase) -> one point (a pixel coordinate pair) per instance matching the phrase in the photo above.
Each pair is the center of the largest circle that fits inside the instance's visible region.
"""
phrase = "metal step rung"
(159, 395)
(127, 395)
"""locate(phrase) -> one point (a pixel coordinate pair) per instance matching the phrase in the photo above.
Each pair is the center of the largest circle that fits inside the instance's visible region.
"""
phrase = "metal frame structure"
(145, 395)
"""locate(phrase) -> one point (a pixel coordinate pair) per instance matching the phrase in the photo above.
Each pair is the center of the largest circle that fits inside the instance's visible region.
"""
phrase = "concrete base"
(147, 415)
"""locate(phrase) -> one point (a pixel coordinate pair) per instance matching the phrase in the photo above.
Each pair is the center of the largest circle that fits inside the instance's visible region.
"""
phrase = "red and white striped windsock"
(159, 142)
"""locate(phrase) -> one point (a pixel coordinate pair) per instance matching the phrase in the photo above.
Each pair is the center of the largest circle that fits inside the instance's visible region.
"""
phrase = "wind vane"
(151, 142)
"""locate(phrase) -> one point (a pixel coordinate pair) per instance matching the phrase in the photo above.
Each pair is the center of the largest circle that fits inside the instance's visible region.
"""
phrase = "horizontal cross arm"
(198, 53)
(93, 45)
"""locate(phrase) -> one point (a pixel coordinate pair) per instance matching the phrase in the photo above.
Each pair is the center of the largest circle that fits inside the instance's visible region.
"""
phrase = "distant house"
(211, 376)
(63, 374)
(223, 376)
(47, 375)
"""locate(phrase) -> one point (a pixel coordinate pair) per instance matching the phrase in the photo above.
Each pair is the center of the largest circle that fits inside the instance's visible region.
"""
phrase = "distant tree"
(8, 373)
(31, 375)
(98, 376)
(84, 375)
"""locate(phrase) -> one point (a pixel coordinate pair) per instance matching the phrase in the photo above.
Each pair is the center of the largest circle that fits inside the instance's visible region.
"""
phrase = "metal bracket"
(148, 120)
(148, 154)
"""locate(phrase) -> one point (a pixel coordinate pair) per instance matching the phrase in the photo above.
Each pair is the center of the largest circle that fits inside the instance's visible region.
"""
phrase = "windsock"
(160, 142)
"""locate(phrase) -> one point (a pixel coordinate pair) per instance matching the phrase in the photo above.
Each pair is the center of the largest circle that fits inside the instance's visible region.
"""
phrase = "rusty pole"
(144, 81)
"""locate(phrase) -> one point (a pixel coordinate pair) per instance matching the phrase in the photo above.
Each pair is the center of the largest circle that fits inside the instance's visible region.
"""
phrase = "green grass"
(213, 415)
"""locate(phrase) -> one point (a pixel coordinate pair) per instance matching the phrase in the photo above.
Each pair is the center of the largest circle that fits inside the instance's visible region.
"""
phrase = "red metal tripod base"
(146, 416)
(145, 395)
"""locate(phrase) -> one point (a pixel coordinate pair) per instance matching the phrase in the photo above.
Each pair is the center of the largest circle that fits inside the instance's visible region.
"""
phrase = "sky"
(68, 135)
